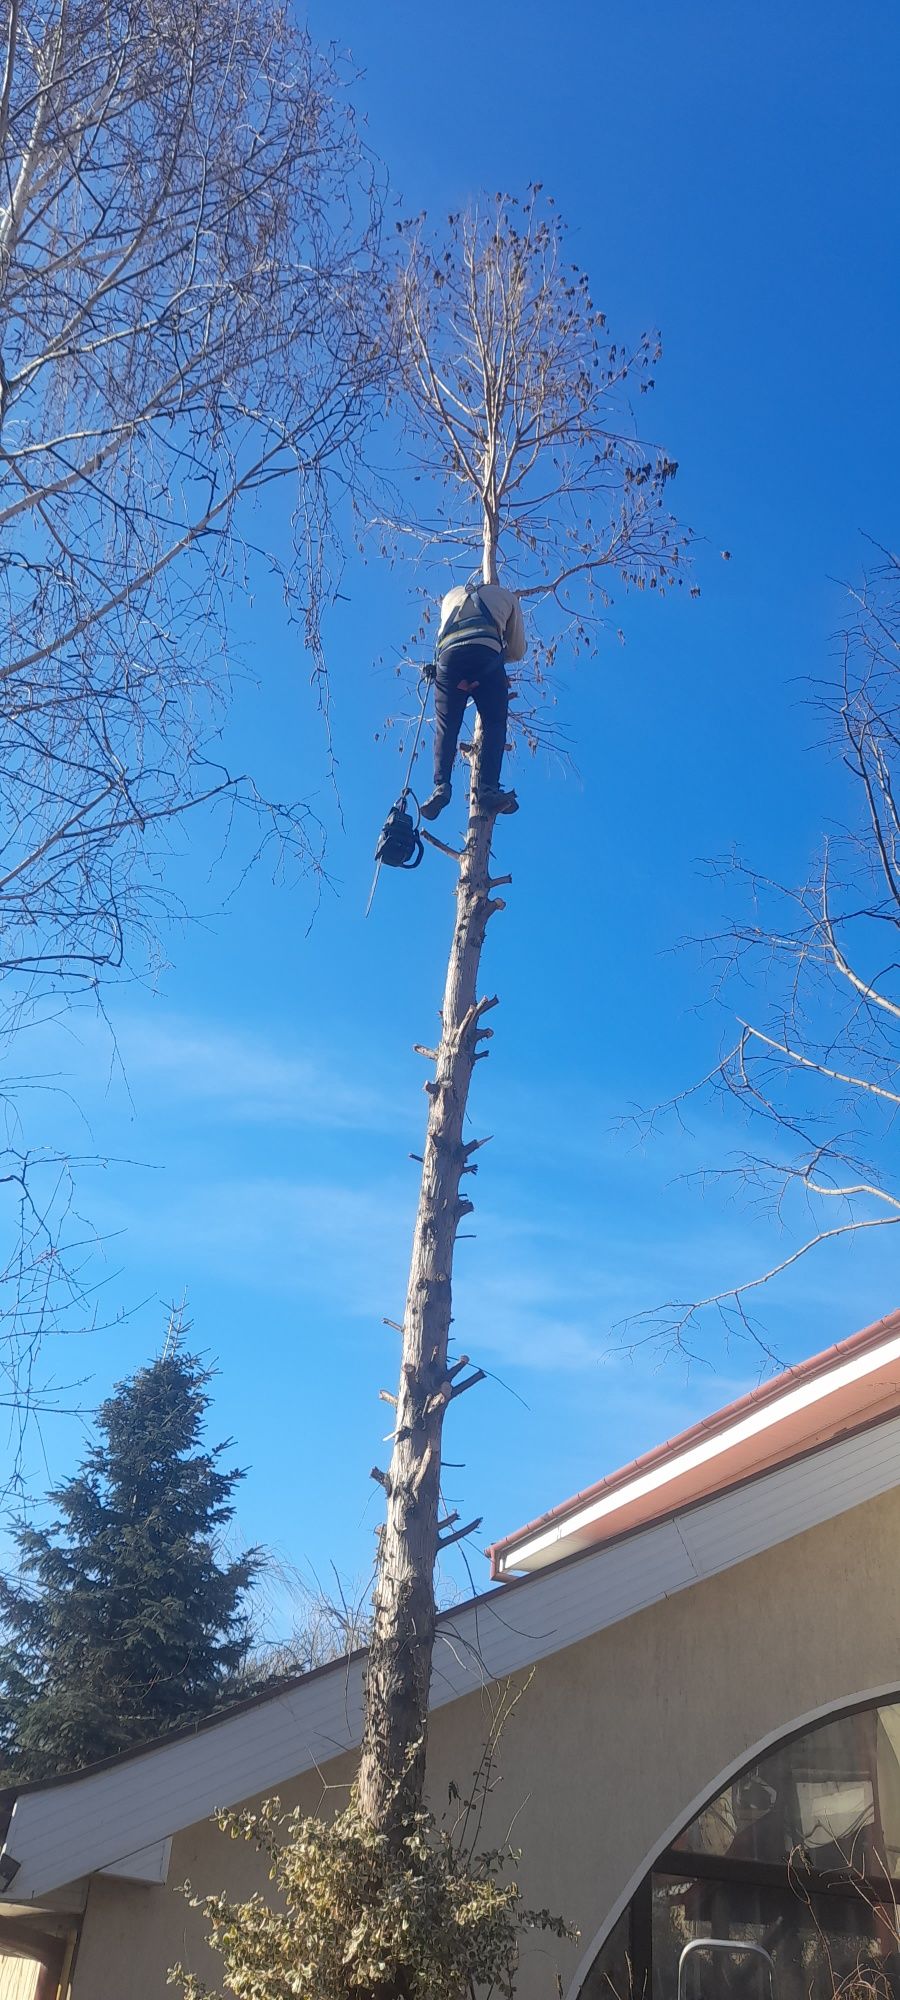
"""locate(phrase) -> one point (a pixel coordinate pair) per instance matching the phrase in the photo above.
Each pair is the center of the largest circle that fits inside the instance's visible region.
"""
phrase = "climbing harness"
(470, 624)
(400, 844)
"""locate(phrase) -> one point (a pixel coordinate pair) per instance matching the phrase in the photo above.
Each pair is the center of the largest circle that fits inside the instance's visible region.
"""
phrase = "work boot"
(439, 800)
(492, 800)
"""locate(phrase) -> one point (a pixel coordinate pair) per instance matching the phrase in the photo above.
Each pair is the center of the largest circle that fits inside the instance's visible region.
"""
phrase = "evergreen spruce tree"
(126, 1622)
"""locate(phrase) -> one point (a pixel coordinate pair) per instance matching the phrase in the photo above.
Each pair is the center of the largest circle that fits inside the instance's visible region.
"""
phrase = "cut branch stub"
(459, 1533)
(459, 1388)
(392, 1767)
(455, 853)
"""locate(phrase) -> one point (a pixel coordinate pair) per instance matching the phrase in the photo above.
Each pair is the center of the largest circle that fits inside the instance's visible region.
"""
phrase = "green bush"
(422, 1919)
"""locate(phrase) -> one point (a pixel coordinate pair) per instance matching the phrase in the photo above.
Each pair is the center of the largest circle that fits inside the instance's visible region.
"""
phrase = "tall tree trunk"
(392, 1769)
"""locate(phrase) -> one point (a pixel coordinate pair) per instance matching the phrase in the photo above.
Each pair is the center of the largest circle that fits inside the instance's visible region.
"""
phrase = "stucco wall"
(613, 1743)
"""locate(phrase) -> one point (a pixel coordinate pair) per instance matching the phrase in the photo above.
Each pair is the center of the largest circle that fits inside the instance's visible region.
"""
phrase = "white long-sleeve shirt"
(503, 606)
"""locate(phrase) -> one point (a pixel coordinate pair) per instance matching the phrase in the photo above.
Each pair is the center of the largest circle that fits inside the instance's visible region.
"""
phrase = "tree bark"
(392, 1769)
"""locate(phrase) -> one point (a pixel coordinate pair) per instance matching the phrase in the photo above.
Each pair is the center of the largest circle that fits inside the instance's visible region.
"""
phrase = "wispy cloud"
(241, 1077)
(569, 1249)
(541, 1293)
(318, 1240)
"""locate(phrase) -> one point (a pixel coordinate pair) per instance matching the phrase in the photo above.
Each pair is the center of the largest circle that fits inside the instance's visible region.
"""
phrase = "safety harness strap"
(470, 624)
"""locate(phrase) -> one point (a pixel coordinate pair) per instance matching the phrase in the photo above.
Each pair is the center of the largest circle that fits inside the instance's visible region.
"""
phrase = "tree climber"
(481, 628)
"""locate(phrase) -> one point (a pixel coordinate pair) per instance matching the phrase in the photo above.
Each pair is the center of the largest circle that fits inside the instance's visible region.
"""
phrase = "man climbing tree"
(126, 1621)
(516, 406)
(481, 628)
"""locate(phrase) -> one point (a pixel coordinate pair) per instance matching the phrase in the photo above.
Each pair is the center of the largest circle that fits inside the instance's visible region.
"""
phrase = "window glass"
(820, 1945)
(792, 1855)
(612, 1976)
(833, 1794)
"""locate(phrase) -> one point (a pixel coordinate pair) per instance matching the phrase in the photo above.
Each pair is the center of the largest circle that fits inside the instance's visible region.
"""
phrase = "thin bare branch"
(189, 270)
(818, 1066)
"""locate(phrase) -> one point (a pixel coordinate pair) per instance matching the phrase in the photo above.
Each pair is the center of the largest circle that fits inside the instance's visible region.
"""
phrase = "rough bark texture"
(392, 1770)
(515, 401)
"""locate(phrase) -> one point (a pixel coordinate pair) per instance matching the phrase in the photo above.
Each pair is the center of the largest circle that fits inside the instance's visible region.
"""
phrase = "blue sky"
(730, 176)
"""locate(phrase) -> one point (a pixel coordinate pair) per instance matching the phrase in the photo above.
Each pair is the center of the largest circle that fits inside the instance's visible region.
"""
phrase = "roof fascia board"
(85, 1825)
(520, 1552)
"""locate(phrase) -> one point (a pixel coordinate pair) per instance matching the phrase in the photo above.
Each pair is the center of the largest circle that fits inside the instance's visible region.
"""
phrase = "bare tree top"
(520, 418)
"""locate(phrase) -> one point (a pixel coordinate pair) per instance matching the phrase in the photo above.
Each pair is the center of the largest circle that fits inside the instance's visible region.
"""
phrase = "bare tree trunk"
(489, 544)
(392, 1770)
(516, 402)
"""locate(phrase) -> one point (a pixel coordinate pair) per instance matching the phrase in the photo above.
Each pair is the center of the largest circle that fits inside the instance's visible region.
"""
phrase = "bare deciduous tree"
(182, 280)
(188, 232)
(809, 981)
(517, 412)
(324, 1625)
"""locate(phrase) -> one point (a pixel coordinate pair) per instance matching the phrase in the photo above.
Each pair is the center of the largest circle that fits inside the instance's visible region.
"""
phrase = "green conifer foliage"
(126, 1621)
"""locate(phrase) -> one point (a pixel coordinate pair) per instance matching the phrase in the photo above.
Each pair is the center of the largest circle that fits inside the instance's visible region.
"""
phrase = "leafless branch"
(817, 1063)
(189, 253)
(518, 419)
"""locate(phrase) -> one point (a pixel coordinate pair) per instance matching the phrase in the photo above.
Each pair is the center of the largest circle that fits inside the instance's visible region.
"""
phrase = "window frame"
(873, 1886)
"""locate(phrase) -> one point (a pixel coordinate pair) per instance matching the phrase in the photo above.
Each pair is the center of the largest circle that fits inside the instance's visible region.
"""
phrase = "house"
(709, 1742)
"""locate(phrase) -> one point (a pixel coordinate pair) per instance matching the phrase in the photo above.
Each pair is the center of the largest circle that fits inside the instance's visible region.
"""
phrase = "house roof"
(854, 1382)
(112, 1815)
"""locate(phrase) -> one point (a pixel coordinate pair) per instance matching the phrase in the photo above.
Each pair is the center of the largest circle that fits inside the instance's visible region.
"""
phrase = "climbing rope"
(426, 682)
(400, 843)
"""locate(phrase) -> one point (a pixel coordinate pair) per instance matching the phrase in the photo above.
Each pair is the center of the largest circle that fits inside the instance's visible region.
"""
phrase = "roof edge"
(501, 1590)
(708, 1427)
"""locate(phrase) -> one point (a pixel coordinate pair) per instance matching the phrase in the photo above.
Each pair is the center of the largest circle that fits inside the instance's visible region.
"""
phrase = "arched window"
(800, 1853)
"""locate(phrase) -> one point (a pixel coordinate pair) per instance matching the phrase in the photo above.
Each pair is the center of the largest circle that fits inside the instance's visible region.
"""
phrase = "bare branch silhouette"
(815, 973)
(189, 239)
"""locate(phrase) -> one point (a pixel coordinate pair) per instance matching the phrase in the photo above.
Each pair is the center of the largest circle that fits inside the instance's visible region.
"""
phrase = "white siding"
(89, 1824)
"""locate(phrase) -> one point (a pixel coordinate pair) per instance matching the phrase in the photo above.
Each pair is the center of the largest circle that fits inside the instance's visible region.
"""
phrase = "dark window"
(819, 1945)
(800, 1854)
(612, 1975)
(833, 1794)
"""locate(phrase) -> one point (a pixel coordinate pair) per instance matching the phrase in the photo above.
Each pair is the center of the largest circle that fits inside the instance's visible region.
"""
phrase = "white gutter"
(549, 1542)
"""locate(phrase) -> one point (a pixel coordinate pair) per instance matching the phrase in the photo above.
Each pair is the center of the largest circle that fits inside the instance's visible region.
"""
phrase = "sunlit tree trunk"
(392, 1772)
(516, 404)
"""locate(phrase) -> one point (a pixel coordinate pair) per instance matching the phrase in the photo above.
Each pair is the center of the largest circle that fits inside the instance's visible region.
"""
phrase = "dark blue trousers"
(479, 672)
